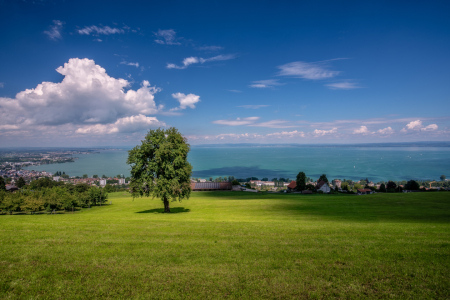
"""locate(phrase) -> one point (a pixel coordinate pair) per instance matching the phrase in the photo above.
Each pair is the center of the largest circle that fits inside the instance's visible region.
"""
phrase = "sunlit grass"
(233, 245)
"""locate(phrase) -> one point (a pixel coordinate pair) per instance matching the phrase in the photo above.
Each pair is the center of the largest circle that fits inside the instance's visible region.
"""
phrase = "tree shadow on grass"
(174, 210)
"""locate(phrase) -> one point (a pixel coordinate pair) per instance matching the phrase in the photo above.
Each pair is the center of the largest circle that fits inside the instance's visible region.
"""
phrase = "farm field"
(233, 245)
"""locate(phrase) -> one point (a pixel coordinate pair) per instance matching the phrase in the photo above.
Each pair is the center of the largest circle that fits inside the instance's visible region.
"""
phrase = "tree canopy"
(323, 177)
(159, 166)
(301, 181)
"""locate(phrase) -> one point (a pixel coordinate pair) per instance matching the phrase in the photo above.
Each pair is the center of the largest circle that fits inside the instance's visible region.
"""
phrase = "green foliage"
(159, 166)
(110, 188)
(43, 183)
(235, 182)
(94, 176)
(2, 184)
(301, 181)
(412, 185)
(65, 176)
(310, 187)
(442, 177)
(21, 182)
(391, 186)
(323, 177)
(85, 176)
(383, 188)
(248, 186)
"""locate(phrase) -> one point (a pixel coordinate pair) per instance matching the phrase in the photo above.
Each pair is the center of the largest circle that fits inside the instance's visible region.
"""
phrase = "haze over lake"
(375, 163)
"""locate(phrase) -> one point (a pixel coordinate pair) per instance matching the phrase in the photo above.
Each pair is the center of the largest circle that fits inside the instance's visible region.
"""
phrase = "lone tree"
(323, 177)
(443, 177)
(159, 167)
(301, 181)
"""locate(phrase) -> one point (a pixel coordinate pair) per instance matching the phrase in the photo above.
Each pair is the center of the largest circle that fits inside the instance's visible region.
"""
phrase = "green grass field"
(233, 245)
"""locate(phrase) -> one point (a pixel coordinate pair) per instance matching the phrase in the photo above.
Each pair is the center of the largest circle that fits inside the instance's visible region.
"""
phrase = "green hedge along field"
(233, 245)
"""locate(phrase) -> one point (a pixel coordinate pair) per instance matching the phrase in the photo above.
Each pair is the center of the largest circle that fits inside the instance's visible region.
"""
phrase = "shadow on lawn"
(174, 210)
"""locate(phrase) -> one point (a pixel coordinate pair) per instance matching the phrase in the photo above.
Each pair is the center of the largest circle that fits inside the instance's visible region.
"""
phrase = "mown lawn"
(233, 245)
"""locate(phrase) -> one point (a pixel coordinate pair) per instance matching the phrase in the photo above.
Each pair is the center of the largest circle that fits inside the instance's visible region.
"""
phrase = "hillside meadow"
(233, 245)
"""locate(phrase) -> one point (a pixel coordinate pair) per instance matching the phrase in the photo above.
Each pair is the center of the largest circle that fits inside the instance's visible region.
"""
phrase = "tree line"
(47, 195)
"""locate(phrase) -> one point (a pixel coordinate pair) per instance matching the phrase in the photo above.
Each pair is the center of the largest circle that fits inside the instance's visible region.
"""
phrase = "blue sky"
(83, 73)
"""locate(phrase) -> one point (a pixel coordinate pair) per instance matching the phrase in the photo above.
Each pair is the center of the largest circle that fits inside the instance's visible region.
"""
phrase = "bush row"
(51, 198)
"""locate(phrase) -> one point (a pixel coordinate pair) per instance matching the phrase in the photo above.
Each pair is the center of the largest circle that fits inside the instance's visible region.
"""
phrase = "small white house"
(323, 186)
(121, 180)
(102, 182)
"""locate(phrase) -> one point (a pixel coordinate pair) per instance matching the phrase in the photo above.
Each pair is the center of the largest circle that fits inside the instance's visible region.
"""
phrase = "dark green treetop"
(323, 177)
(301, 181)
(159, 167)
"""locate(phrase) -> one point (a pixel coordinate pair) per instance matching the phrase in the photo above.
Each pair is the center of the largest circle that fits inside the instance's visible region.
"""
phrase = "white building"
(102, 182)
(121, 180)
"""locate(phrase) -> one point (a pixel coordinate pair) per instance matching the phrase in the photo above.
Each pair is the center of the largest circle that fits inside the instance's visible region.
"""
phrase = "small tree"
(301, 181)
(382, 188)
(443, 177)
(323, 177)
(235, 182)
(2, 184)
(391, 185)
(21, 182)
(159, 167)
(412, 185)
(94, 176)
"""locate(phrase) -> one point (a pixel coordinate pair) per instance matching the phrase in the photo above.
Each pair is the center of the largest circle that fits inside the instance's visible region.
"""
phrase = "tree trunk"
(166, 206)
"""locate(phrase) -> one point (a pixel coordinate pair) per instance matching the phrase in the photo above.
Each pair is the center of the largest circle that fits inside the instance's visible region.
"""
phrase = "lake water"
(375, 163)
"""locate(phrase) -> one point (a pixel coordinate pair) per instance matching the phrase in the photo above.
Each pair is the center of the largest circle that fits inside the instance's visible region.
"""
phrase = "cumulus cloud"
(262, 84)
(186, 100)
(416, 125)
(54, 32)
(123, 125)
(305, 70)
(319, 132)
(87, 95)
(195, 60)
(96, 30)
(237, 122)
(345, 85)
(136, 64)
(387, 130)
(167, 37)
(2, 84)
(361, 130)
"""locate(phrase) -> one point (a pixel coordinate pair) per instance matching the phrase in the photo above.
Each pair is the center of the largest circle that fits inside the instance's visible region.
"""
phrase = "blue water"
(375, 163)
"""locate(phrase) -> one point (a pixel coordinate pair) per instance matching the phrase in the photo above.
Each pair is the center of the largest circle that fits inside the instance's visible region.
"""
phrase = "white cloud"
(318, 132)
(237, 122)
(87, 95)
(430, 127)
(414, 125)
(2, 85)
(261, 84)
(417, 126)
(253, 106)
(136, 64)
(313, 71)
(345, 85)
(122, 125)
(195, 60)
(167, 37)
(387, 130)
(361, 130)
(186, 100)
(287, 134)
(97, 40)
(235, 91)
(95, 30)
(55, 31)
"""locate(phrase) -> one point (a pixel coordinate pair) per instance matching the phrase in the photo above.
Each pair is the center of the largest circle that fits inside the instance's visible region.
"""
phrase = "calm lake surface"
(375, 163)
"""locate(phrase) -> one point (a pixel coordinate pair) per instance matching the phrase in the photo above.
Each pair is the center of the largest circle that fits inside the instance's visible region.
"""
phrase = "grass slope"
(233, 245)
